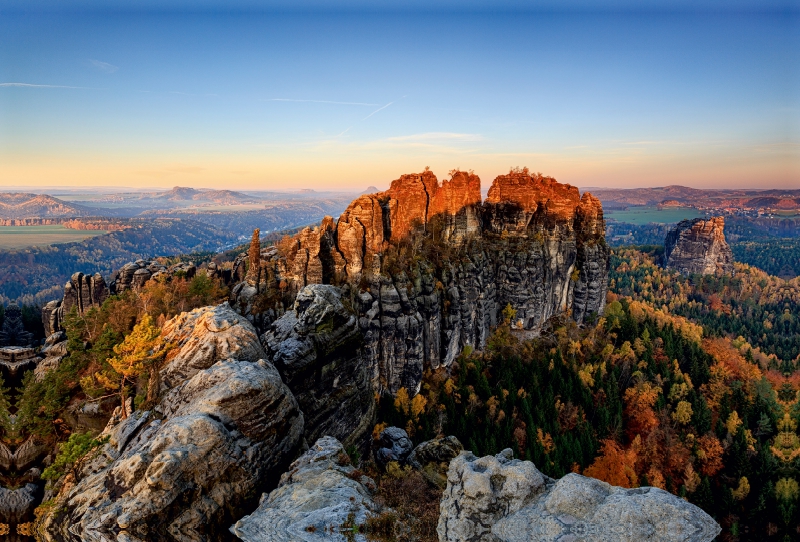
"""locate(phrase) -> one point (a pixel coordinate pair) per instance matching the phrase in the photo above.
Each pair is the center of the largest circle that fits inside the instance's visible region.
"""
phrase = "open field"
(646, 215)
(27, 236)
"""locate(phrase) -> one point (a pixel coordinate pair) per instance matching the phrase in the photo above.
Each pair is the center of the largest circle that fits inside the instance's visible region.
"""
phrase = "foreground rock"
(698, 247)
(316, 346)
(432, 458)
(393, 445)
(189, 468)
(499, 499)
(321, 497)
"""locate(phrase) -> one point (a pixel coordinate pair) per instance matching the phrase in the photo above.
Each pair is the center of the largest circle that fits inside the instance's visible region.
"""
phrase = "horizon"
(620, 95)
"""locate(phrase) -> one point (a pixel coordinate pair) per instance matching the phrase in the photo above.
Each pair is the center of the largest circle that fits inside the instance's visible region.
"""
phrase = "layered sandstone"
(698, 247)
(429, 266)
(82, 292)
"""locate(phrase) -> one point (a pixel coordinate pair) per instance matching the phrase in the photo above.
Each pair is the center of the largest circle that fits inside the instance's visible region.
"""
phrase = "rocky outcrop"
(500, 499)
(54, 350)
(321, 498)
(698, 247)
(316, 346)
(220, 432)
(429, 267)
(81, 293)
(134, 275)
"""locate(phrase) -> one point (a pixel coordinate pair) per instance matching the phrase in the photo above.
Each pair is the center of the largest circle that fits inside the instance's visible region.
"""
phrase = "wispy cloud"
(31, 85)
(429, 137)
(319, 101)
(103, 66)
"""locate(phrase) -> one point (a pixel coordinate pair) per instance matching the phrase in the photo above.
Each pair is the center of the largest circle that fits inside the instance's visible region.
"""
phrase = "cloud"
(103, 66)
(429, 137)
(320, 101)
(31, 85)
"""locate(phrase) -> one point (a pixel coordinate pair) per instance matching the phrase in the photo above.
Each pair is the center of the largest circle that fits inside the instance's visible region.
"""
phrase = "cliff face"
(429, 266)
(698, 246)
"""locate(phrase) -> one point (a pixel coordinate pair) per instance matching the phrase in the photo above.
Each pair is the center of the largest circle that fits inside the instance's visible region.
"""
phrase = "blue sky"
(163, 94)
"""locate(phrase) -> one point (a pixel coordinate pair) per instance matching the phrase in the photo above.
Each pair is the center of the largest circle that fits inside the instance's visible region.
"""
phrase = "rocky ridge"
(698, 246)
(429, 266)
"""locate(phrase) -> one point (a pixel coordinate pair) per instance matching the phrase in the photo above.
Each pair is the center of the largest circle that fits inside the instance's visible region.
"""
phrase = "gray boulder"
(321, 497)
(432, 458)
(500, 499)
(316, 346)
(393, 445)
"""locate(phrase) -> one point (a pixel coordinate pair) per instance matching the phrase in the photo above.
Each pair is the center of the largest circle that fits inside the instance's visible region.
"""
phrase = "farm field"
(14, 237)
(646, 215)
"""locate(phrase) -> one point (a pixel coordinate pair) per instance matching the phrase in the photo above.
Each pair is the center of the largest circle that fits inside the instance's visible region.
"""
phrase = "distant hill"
(20, 205)
(221, 197)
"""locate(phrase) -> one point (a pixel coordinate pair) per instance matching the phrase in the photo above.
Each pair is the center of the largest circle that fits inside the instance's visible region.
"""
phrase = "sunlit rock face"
(428, 266)
(698, 247)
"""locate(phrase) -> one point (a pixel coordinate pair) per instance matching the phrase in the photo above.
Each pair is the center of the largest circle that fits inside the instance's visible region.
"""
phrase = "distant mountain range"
(773, 199)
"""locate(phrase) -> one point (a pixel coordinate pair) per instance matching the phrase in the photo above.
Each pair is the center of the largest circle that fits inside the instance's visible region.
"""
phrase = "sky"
(290, 95)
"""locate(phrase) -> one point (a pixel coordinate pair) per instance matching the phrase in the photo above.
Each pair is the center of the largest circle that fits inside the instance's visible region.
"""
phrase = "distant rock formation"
(134, 275)
(82, 292)
(500, 499)
(429, 266)
(698, 246)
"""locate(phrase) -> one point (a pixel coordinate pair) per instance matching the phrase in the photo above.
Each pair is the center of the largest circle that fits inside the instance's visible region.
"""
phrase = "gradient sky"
(272, 96)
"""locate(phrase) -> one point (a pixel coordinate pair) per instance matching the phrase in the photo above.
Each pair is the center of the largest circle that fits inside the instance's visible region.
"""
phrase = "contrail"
(379, 109)
(319, 101)
(30, 85)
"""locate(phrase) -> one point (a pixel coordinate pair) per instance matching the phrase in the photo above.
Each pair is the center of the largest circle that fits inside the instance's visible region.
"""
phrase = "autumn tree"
(615, 465)
(133, 357)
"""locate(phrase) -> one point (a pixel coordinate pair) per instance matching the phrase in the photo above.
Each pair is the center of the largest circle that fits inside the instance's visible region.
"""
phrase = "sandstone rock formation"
(698, 246)
(82, 292)
(429, 266)
(222, 429)
(500, 499)
(320, 498)
(432, 458)
(54, 350)
(134, 275)
(316, 346)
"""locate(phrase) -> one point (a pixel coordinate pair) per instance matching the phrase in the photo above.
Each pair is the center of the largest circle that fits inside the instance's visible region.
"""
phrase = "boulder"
(202, 337)
(316, 346)
(321, 497)
(500, 499)
(393, 445)
(433, 457)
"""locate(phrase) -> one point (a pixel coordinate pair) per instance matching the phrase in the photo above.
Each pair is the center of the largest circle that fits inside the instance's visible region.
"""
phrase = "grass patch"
(14, 237)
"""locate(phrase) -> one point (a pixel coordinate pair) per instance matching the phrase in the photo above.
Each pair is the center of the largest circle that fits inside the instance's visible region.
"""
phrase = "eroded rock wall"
(698, 246)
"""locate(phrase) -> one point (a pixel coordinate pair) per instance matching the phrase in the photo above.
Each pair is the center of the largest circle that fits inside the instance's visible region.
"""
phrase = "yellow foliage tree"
(134, 356)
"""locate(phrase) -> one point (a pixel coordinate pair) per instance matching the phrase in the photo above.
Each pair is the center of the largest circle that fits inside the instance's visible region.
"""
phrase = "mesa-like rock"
(698, 246)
